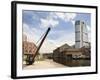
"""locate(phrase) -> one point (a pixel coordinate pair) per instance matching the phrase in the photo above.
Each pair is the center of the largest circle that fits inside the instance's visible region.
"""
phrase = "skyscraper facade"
(81, 34)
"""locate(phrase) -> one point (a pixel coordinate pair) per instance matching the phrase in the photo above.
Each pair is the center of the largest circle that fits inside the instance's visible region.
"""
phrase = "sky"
(35, 24)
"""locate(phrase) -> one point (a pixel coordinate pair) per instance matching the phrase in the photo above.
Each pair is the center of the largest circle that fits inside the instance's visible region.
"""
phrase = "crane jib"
(41, 42)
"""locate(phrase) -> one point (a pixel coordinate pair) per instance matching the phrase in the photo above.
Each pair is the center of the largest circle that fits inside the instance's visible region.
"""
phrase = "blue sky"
(35, 23)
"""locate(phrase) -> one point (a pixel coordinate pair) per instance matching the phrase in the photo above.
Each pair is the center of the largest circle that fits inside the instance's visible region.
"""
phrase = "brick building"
(29, 47)
(65, 54)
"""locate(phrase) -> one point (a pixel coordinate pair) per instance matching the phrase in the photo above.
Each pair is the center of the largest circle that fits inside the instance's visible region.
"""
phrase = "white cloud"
(66, 16)
(25, 28)
(49, 22)
(52, 19)
(70, 16)
(60, 15)
(32, 34)
(73, 22)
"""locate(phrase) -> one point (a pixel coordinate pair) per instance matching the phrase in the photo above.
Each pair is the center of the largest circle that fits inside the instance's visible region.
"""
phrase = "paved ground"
(44, 64)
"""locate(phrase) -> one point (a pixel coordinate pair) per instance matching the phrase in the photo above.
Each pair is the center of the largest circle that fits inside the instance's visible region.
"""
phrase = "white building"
(81, 34)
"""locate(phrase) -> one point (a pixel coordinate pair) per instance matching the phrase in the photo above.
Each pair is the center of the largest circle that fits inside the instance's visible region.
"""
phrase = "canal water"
(75, 63)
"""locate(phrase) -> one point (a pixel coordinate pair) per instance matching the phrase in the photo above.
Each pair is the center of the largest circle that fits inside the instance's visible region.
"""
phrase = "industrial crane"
(31, 57)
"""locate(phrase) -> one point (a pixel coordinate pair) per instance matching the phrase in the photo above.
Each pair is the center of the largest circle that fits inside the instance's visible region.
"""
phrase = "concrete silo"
(81, 34)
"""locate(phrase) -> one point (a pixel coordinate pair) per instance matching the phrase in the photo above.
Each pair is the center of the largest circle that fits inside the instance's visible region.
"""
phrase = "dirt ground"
(44, 64)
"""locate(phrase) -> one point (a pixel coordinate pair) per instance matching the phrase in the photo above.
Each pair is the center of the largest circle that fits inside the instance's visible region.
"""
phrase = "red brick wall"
(29, 47)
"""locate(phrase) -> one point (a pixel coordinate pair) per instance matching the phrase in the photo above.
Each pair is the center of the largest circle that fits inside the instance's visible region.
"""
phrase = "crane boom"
(31, 57)
(41, 42)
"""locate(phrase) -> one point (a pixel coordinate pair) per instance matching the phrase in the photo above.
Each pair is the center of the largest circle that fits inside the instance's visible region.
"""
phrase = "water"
(81, 62)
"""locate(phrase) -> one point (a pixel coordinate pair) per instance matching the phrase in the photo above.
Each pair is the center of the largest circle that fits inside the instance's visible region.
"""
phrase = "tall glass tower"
(81, 34)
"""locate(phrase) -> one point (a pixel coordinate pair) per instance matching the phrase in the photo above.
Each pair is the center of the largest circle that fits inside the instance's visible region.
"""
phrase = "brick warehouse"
(65, 54)
(29, 47)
